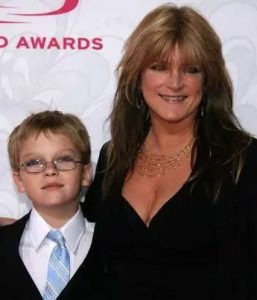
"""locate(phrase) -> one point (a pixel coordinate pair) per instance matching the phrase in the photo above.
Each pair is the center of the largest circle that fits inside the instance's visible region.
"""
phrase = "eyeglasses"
(62, 163)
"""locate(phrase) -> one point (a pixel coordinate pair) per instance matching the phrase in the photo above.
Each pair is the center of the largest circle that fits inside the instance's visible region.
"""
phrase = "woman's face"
(172, 91)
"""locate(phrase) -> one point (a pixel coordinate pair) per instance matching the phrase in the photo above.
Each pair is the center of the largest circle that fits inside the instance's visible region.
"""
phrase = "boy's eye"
(159, 67)
(65, 158)
(32, 163)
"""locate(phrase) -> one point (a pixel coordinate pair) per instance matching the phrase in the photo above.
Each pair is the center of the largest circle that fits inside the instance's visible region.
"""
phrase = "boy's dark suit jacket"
(16, 283)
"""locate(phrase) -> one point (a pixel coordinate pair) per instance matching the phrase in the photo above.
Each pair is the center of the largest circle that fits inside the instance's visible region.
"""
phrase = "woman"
(173, 188)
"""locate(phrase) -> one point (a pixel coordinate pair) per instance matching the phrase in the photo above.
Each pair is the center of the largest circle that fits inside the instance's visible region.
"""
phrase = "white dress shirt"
(35, 248)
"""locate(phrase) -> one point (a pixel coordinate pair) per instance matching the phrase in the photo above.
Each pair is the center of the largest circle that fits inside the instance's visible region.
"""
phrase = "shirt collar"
(72, 230)
(37, 228)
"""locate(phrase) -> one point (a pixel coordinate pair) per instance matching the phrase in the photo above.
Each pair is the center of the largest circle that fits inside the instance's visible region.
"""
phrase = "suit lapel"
(19, 283)
(83, 283)
(24, 286)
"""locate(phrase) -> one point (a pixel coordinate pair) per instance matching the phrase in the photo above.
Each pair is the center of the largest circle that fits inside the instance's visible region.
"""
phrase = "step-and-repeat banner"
(62, 54)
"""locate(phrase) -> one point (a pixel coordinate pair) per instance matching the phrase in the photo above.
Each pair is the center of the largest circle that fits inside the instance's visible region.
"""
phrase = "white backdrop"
(62, 55)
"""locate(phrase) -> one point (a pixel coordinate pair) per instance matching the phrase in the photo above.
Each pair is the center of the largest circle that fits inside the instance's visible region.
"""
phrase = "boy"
(44, 254)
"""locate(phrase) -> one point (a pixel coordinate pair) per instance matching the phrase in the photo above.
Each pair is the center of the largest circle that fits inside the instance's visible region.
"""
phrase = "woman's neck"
(163, 140)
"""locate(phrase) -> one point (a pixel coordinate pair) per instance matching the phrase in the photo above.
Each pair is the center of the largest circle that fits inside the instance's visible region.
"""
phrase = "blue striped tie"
(58, 274)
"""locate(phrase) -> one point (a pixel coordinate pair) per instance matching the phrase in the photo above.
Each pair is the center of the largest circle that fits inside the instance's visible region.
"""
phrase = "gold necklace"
(156, 165)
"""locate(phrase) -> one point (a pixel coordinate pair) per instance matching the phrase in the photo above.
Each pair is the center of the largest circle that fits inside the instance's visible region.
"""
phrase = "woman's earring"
(147, 116)
(139, 103)
(202, 111)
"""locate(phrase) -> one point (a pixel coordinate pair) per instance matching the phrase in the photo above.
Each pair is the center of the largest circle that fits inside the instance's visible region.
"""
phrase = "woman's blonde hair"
(218, 132)
(156, 36)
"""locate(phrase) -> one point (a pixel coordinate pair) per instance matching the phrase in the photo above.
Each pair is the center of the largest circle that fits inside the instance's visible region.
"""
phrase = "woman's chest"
(147, 195)
(183, 223)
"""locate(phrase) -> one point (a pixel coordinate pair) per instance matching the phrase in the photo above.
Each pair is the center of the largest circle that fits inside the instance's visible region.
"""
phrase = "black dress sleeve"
(248, 194)
(93, 197)
(91, 208)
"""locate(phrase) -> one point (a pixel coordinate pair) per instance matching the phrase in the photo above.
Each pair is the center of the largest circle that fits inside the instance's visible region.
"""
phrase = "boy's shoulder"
(12, 232)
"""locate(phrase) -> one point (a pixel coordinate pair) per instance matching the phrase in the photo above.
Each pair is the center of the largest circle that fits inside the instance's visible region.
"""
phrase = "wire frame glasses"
(62, 163)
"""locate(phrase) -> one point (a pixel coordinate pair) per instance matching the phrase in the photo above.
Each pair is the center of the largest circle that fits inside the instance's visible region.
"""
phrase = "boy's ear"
(87, 175)
(18, 182)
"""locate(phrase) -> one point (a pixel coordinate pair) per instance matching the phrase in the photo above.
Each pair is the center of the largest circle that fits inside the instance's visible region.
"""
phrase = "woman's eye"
(192, 70)
(159, 67)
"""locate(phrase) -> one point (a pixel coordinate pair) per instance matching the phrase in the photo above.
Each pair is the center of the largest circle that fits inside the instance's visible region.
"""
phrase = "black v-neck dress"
(192, 249)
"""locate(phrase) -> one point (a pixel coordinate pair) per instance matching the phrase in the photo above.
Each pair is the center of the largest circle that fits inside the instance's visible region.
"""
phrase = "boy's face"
(51, 188)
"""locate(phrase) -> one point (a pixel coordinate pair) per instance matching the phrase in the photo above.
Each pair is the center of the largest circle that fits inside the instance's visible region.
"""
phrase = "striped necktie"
(58, 273)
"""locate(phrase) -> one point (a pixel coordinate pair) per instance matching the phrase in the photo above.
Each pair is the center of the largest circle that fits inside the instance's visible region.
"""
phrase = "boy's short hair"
(49, 122)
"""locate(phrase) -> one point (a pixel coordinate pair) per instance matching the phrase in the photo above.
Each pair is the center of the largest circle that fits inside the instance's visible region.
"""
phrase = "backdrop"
(61, 54)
